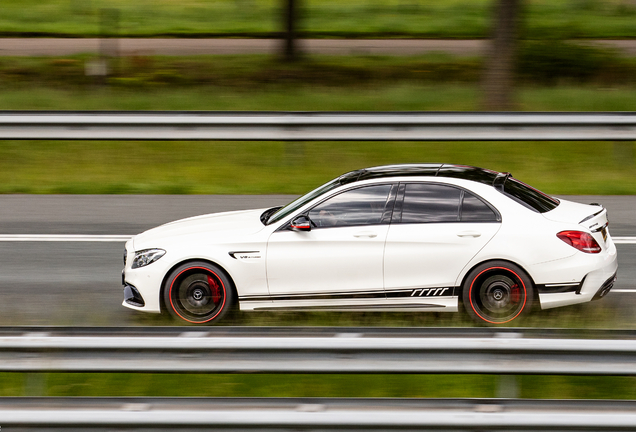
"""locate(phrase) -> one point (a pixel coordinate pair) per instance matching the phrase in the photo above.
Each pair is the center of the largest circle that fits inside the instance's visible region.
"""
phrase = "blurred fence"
(317, 350)
(342, 353)
(293, 414)
(322, 126)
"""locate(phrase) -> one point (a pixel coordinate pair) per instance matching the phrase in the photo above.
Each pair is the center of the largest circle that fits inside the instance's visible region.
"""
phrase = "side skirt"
(401, 300)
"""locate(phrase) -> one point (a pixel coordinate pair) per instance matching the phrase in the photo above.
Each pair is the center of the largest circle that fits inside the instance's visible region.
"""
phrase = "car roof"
(480, 175)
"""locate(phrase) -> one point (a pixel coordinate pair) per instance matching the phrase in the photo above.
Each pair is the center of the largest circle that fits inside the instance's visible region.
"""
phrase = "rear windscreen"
(529, 196)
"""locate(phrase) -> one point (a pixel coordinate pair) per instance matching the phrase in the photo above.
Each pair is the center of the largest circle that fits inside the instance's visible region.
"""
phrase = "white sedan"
(420, 237)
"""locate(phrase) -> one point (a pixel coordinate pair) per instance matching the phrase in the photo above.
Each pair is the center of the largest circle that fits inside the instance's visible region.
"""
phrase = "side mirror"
(301, 223)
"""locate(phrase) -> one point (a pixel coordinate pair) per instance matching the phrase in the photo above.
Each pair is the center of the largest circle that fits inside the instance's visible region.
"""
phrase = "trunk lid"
(591, 217)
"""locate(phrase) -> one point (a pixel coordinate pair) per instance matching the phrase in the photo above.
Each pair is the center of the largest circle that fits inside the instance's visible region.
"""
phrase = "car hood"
(228, 224)
(573, 212)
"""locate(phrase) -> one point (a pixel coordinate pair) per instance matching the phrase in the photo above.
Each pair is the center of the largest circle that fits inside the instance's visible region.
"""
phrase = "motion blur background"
(351, 55)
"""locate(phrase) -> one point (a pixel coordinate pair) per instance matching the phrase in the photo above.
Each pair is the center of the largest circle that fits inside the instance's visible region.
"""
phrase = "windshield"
(295, 205)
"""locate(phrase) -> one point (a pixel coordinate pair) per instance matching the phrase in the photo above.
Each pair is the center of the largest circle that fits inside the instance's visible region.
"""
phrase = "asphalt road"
(78, 283)
(162, 46)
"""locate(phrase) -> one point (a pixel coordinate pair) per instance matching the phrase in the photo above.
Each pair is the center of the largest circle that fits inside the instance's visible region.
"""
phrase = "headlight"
(147, 256)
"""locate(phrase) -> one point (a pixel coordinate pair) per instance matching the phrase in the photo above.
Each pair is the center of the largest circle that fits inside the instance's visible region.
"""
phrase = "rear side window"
(529, 196)
(475, 210)
(425, 203)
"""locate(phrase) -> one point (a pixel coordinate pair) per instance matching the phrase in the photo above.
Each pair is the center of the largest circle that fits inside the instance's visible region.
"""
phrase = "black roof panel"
(434, 170)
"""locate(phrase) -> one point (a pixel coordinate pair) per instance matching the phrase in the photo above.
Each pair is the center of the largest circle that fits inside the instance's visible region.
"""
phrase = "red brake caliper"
(515, 295)
(216, 292)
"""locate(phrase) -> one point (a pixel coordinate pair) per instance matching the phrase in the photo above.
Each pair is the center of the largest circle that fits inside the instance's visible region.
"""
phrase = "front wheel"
(198, 292)
(497, 293)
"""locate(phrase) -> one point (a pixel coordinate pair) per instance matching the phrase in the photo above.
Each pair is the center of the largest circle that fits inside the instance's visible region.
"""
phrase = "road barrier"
(322, 126)
(197, 352)
(317, 350)
(314, 413)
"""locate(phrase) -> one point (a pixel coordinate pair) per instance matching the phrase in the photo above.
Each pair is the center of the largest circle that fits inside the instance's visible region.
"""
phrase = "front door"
(339, 261)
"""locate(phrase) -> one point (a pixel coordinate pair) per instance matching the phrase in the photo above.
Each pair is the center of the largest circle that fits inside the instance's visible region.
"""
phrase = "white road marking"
(633, 291)
(624, 240)
(63, 238)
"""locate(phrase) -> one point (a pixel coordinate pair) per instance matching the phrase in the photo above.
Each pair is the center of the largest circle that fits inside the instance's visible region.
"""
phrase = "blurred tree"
(500, 58)
(290, 19)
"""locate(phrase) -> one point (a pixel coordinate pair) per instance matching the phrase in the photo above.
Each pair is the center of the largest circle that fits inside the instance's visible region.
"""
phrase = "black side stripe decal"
(351, 307)
(379, 294)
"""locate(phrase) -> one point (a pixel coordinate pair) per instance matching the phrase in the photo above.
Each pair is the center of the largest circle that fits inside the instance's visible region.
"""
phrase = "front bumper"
(132, 296)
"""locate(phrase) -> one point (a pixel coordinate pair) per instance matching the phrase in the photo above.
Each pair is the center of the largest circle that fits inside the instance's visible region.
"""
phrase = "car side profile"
(408, 238)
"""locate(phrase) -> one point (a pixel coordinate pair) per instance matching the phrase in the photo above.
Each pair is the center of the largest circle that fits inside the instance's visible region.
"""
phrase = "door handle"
(369, 234)
(469, 234)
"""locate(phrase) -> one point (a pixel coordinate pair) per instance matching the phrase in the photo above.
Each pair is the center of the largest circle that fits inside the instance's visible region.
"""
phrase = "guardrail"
(343, 353)
(325, 126)
(315, 413)
(317, 350)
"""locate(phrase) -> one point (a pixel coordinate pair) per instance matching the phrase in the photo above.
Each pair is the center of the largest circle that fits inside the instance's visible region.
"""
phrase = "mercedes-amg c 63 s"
(420, 237)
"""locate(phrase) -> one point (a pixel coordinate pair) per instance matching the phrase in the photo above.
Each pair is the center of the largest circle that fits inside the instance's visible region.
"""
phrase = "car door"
(339, 260)
(436, 230)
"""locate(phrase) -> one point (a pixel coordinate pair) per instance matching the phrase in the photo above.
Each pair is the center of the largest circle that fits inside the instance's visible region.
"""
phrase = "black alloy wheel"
(198, 292)
(497, 292)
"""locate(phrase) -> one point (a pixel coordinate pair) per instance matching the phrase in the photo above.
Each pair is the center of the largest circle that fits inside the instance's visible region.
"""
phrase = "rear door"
(436, 230)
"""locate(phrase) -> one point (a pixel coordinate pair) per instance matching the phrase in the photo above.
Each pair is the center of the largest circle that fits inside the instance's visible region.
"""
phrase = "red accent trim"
(515, 293)
(301, 227)
(207, 270)
(470, 297)
(216, 294)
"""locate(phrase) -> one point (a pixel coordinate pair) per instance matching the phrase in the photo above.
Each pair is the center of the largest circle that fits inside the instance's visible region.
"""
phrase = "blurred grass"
(294, 168)
(321, 83)
(313, 385)
(582, 319)
(321, 18)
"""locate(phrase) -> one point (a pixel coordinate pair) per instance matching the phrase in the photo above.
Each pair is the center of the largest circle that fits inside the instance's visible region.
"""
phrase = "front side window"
(425, 203)
(361, 206)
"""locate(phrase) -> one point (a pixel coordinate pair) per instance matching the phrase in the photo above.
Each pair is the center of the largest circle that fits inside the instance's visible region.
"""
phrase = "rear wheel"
(497, 293)
(199, 293)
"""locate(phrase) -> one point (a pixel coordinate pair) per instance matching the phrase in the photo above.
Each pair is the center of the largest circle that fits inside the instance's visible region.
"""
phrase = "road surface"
(176, 47)
(79, 283)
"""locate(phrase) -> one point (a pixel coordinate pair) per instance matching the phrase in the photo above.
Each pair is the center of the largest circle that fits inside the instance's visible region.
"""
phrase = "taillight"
(580, 240)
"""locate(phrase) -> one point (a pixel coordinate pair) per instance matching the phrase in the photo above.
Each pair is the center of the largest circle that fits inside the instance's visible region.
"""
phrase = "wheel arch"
(162, 303)
(460, 288)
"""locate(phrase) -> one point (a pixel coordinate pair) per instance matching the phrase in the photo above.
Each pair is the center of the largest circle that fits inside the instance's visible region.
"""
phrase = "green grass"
(261, 168)
(320, 18)
(274, 167)
(358, 83)
(310, 385)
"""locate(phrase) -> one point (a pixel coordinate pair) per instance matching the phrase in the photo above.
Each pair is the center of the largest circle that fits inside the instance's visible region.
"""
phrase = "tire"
(199, 293)
(497, 292)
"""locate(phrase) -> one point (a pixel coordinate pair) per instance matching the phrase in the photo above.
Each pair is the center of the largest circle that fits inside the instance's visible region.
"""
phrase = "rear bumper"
(605, 288)
(592, 286)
